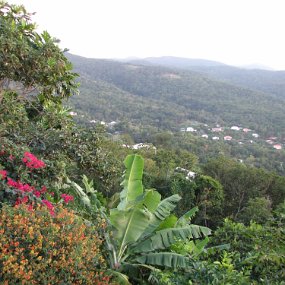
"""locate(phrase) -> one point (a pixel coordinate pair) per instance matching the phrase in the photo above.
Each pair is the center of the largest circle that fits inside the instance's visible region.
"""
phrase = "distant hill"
(166, 98)
(256, 77)
(176, 62)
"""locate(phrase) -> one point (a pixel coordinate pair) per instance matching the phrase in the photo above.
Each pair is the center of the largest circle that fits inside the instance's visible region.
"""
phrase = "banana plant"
(142, 225)
(138, 237)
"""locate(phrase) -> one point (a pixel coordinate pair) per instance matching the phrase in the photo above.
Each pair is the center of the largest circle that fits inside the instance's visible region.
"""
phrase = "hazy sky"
(235, 32)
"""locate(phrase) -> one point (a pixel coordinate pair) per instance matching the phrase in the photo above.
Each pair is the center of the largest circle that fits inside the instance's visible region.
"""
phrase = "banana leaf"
(167, 259)
(129, 226)
(164, 209)
(132, 183)
(165, 238)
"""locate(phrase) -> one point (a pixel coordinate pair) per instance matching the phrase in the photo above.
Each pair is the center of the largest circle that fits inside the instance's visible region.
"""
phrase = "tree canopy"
(31, 63)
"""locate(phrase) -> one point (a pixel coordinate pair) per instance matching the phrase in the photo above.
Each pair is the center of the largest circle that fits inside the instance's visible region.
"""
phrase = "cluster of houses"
(141, 146)
(111, 124)
(215, 133)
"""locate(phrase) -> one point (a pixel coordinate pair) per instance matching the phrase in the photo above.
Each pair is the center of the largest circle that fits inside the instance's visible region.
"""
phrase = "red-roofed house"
(227, 138)
(277, 146)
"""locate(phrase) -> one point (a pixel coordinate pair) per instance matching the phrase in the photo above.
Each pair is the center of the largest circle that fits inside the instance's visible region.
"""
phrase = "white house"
(215, 138)
(217, 129)
(255, 135)
(235, 128)
(190, 129)
(72, 113)
(111, 124)
(205, 136)
(189, 174)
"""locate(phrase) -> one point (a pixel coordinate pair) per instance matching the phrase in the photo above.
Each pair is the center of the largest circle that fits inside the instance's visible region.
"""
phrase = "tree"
(258, 210)
(31, 63)
(204, 192)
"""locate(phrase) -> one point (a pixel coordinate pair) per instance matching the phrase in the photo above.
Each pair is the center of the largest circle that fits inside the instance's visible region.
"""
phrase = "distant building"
(72, 113)
(111, 124)
(189, 174)
(272, 138)
(215, 138)
(217, 129)
(255, 135)
(277, 146)
(227, 138)
(93, 121)
(246, 130)
(182, 130)
(144, 145)
(205, 136)
(235, 128)
(190, 129)
(270, 141)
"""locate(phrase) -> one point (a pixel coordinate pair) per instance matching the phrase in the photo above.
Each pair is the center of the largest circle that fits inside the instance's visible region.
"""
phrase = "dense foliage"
(39, 249)
(31, 61)
(64, 216)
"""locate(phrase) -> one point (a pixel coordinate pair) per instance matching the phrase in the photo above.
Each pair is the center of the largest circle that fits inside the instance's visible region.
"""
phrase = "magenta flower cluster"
(26, 191)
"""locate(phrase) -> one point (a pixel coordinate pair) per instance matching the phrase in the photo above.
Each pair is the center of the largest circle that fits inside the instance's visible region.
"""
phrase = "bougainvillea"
(36, 248)
(26, 193)
(32, 162)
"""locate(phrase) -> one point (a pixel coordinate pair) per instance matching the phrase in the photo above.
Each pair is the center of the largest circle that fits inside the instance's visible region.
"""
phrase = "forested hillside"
(268, 81)
(175, 96)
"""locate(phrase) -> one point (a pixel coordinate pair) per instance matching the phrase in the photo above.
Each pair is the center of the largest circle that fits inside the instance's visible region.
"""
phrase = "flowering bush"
(32, 162)
(25, 169)
(36, 248)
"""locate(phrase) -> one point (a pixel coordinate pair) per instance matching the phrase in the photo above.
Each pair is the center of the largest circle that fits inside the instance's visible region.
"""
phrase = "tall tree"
(31, 63)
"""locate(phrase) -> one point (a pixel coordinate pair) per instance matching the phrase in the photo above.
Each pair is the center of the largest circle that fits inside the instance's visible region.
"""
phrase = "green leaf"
(132, 183)
(167, 259)
(169, 222)
(165, 238)
(120, 278)
(129, 226)
(186, 218)
(166, 206)
(164, 209)
(151, 200)
(81, 193)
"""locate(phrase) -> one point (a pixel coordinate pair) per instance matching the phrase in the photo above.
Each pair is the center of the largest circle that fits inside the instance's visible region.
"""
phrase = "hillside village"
(232, 134)
(235, 133)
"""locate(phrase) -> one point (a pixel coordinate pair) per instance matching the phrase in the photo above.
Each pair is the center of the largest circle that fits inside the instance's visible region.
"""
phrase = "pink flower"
(37, 194)
(32, 162)
(49, 206)
(19, 185)
(23, 200)
(67, 198)
(43, 190)
(12, 183)
(3, 174)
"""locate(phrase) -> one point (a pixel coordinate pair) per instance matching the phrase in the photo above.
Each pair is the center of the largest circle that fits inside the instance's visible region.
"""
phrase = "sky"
(235, 32)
